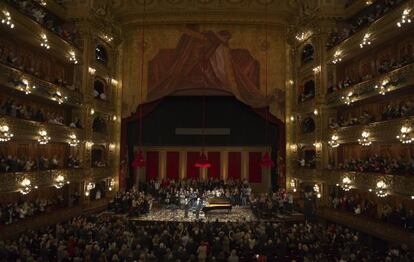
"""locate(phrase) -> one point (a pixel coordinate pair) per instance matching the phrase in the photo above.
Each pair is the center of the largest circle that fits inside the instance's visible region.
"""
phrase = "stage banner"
(192, 171)
(151, 168)
(234, 169)
(173, 163)
(214, 170)
(255, 171)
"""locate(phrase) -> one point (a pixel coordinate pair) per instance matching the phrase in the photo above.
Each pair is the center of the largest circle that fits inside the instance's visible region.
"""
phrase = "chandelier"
(73, 141)
(348, 99)
(5, 135)
(382, 88)
(44, 138)
(317, 190)
(60, 181)
(366, 40)
(405, 135)
(337, 57)
(72, 57)
(57, 96)
(44, 43)
(89, 187)
(25, 87)
(346, 183)
(365, 139)
(334, 141)
(405, 18)
(6, 19)
(293, 184)
(381, 189)
(111, 184)
(25, 186)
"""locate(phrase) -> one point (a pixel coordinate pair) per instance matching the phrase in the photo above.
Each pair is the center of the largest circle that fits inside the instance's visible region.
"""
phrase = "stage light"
(202, 161)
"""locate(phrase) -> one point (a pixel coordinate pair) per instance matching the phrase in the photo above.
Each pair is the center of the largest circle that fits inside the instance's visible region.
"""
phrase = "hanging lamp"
(202, 161)
(139, 161)
(266, 161)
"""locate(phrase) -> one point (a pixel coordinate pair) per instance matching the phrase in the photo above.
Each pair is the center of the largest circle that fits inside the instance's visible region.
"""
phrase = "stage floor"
(237, 214)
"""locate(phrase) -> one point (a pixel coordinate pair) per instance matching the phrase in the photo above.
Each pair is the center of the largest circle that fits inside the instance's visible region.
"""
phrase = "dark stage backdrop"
(247, 128)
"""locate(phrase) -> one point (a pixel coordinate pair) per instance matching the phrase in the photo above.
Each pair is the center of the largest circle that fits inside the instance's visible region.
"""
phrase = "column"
(162, 165)
(224, 158)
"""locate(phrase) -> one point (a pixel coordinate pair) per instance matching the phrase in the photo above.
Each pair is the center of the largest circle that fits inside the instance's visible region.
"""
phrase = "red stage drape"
(214, 170)
(192, 171)
(234, 169)
(151, 168)
(255, 171)
(173, 162)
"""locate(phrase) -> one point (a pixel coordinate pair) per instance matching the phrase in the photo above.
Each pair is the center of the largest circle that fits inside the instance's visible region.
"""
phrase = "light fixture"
(88, 144)
(365, 40)
(44, 138)
(381, 189)
(72, 57)
(111, 146)
(107, 38)
(292, 118)
(91, 70)
(60, 181)
(337, 57)
(346, 183)
(369, 2)
(348, 99)
(293, 147)
(89, 187)
(293, 184)
(405, 18)
(317, 190)
(334, 141)
(111, 184)
(114, 118)
(405, 135)
(25, 87)
(291, 82)
(303, 36)
(5, 134)
(114, 82)
(315, 112)
(73, 140)
(412, 197)
(365, 139)
(92, 111)
(44, 42)
(6, 19)
(57, 96)
(26, 186)
(382, 88)
(317, 69)
(317, 145)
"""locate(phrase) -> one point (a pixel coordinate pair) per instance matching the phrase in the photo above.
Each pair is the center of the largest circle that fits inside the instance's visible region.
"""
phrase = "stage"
(237, 214)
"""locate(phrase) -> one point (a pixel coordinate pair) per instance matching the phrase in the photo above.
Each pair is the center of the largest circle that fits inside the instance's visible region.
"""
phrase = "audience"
(114, 238)
(380, 164)
(23, 163)
(366, 17)
(37, 12)
(265, 205)
(353, 203)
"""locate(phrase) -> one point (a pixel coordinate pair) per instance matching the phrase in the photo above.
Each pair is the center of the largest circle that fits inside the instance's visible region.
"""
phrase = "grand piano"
(217, 203)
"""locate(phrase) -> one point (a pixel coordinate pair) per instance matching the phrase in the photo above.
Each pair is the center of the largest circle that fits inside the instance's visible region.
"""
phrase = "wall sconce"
(317, 69)
(5, 134)
(6, 19)
(92, 111)
(114, 118)
(348, 99)
(292, 119)
(44, 43)
(317, 190)
(334, 141)
(381, 189)
(382, 87)
(89, 144)
(73, 140)
(60, 181)
(111, 184)
(405, 18)
(72, 57)
(337, 57)
(44, 138)
(114, 82)
(365, 41)
(107, 38)
(405, 135)
(317, 145)
(293, 184)
(26, 186)
(303, 36)
(111, 146)
(365, 139)
(291, 82)
(91, 70)
(346, 183)
(293, 147)
(315, 112)
(369, 2)
(88, 188)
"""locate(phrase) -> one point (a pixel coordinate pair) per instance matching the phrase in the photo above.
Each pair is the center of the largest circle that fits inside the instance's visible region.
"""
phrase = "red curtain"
(192, 171)
(214, 170)
(234, 169)
(255, 171)
(173, 159)
(151, 168)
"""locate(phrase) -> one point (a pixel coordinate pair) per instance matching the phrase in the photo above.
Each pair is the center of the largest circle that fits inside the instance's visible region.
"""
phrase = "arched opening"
(99, 125)
(98, 157)
(308, 125)
(101, 54)
(99, 89)
(307, 53)
(308, 91)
